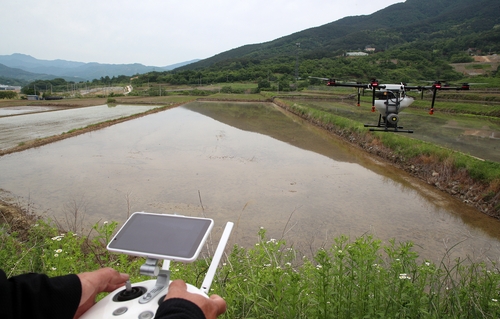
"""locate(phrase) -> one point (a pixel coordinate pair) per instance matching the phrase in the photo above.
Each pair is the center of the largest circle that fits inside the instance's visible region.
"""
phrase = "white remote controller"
(141, 300)
(123, 304)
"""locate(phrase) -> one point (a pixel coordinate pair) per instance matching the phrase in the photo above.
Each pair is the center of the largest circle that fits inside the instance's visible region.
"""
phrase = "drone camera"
(393, 119)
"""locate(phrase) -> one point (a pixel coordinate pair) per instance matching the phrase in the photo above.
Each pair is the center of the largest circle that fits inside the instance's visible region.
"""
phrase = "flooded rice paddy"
(474, 135)
(247, 163)
(34, 122)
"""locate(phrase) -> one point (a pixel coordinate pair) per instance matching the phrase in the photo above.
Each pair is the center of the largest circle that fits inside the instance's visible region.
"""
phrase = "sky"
(159, 32)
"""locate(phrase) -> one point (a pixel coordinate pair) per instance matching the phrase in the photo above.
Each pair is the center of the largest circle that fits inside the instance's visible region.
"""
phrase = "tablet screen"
(158, 236)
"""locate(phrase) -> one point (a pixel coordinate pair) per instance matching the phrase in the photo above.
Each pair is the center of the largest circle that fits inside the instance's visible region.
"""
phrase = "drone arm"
(351, 85)
(438, 86)
(373, 99)
(434, 91)
(359, 96)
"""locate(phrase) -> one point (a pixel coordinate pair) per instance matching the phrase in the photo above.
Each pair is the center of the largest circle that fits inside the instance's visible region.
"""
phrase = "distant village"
(10, 88)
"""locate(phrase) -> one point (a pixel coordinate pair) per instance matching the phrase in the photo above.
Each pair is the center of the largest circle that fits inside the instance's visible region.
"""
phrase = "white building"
(356, 54)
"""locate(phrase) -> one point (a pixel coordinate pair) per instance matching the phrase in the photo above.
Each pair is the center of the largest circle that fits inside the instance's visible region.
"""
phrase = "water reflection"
(250, 164)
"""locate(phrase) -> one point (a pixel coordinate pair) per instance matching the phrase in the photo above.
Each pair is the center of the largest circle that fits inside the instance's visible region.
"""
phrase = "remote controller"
(169, 237)
(133, 303)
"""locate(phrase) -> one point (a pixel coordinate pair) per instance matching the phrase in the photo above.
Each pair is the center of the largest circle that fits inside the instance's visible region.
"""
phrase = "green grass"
(459, 107)
(484, 171)
(239, 97)
(353, 278)
(238, 85)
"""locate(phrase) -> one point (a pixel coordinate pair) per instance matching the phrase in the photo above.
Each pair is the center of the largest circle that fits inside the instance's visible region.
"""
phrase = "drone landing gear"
(385, 126)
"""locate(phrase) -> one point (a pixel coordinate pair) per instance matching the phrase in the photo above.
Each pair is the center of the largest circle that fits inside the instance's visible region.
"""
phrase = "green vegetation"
(402, 145)
(418, 42)
(353, 278)
(457, 172)
(8, 95)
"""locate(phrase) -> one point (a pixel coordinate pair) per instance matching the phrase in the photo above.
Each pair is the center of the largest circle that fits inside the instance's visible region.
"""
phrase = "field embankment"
(473, 181)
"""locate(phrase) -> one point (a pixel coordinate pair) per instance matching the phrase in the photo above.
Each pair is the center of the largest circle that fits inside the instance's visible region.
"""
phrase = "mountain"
(14, 75)
(33, 68)
(444, 27)
(425, 23)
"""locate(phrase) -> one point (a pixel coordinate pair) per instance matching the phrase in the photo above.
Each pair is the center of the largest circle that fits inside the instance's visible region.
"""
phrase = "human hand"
(211, 307)
(102, 280)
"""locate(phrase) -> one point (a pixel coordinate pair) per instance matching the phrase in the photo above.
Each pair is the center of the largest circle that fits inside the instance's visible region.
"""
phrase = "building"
(356, 54)
(10, 88)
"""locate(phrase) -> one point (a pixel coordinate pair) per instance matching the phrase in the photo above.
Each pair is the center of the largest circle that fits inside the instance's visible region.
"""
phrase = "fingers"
(211, 307)
(109, 279)
(102, 280)
(176, 288)
(220, 304)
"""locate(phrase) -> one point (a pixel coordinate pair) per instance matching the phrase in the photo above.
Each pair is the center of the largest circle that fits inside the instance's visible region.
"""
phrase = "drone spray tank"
(393, 100)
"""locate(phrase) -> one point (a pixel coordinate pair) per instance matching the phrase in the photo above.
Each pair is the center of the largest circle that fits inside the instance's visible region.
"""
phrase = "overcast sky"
(159, 32)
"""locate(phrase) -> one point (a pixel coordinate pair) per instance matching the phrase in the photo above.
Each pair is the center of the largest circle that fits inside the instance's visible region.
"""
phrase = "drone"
(390, 99)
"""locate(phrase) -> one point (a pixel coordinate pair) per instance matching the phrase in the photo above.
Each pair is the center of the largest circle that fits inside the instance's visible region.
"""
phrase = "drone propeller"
(315, 77)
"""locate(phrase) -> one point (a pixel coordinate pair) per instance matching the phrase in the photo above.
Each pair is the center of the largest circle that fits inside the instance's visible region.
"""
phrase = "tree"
(8, 95)
(263, 84)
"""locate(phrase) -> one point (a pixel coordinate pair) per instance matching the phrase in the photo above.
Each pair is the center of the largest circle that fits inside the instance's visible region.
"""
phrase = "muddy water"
(250, 164)
(23, 123)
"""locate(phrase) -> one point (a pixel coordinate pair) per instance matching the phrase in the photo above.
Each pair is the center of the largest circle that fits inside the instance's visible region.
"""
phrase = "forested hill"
(450, 26)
